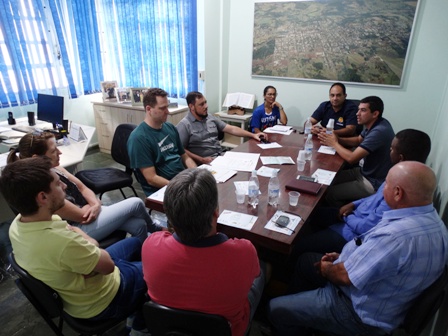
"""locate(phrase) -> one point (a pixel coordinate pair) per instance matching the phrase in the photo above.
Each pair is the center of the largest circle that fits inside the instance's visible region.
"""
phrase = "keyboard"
(23, 128)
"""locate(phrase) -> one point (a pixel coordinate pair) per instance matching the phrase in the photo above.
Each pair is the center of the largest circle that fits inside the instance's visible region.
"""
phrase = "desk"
(260, 236)
(72, 155)
(230, 140)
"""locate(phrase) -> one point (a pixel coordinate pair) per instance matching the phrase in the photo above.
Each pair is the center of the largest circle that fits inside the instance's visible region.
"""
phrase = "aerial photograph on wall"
(363, 41)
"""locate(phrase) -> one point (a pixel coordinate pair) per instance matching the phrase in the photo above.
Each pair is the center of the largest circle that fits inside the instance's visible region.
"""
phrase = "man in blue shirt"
(373, 282)
(371, 153)
(338, 108)
(355, 218)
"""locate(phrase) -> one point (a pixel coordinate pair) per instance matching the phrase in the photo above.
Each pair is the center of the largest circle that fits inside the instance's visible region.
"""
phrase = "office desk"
(72, 155)
(258, 235)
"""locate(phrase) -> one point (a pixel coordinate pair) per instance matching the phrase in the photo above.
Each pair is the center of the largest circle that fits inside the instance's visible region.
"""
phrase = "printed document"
(276, 160)
(237, 219)
(219, 173)
(237, 161)
(294, 220)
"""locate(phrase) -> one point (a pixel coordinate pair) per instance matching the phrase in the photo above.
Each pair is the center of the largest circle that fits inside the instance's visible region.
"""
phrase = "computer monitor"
(50, 109)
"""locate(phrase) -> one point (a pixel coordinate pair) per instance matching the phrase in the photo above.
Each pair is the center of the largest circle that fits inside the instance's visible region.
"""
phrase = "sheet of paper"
(276, 160)
(158, 195)
(237, 219)
(327, 150)
(279, 129)
(237, 161)
(219, 173)
(294, 220)
(266, 171)
(324, 176)
(269, 145)
(4, 129)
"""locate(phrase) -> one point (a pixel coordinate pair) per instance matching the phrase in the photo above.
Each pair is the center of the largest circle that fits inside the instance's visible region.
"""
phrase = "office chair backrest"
(164, 321)
(36, 291)
(119, 150)
(425, 306)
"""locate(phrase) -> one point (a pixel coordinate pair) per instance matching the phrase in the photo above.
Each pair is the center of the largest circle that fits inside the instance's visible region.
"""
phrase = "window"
(69, 46)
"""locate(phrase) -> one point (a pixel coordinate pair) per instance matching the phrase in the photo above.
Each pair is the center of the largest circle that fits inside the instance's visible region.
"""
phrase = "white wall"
(415, 105)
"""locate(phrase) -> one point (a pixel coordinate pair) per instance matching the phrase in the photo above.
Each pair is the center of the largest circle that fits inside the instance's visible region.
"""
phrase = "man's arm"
(83, 234)
(188, 161)
(351, 157)
(105, 264)
(347, 131)
(152, 178)
(199, 159)
(335, 273)
(238, 131)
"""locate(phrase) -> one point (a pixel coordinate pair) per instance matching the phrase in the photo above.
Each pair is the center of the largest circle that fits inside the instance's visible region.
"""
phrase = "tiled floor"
(19, 318)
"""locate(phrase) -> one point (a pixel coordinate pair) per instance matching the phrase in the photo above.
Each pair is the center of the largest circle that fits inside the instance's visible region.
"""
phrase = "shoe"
(143, 332)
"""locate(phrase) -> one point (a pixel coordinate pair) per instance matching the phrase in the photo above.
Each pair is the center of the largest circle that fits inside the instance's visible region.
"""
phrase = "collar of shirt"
(216, 239)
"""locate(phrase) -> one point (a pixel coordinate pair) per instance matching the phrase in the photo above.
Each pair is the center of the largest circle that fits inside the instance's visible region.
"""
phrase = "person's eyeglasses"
(271, 94)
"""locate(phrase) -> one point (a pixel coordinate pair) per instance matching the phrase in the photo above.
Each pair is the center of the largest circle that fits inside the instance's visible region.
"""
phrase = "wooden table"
(258, 235)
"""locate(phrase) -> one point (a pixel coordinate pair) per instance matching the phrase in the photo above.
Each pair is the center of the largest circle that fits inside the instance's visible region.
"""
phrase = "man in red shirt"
(197, 268)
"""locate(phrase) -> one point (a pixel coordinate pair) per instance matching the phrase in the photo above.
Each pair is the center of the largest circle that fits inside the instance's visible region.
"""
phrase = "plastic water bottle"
(273, 189)
(330, 126)
(308, 126)
(254, 189)
(309, 147)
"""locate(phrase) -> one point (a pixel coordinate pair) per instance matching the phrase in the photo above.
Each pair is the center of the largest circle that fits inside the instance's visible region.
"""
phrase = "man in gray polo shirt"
(198, 130)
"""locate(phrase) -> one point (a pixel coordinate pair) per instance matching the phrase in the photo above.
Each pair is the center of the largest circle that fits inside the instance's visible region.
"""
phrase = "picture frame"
(123, 95)
(137, 94)
(364, 43)
(108, 91)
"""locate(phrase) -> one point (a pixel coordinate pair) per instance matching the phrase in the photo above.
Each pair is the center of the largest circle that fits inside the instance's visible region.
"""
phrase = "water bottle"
(273, 189)
(309, 147)
(308, 126)
(330, 126)
(254, 189)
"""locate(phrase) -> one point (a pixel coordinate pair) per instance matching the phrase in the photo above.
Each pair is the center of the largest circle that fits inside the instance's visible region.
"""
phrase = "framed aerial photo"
(365, 42)
(137, 95)
(108, 90)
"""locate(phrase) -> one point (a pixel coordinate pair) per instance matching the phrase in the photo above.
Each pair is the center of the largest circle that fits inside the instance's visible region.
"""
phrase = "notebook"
(304, 186)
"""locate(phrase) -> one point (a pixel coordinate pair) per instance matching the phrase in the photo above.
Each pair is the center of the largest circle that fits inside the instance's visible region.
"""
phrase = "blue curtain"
(152, 43)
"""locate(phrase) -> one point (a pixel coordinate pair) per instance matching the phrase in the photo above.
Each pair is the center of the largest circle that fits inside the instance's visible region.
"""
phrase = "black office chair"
(164, 321)
(49, 305)
(425, 306)
(102, 180)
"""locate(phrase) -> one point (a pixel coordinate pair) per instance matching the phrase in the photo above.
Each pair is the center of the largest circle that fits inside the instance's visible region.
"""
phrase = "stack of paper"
(220, 174)
(237, 161)
(280, 129)
(276, 160)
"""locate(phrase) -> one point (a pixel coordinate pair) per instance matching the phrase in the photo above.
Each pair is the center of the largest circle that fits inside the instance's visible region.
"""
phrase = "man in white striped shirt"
(374, 280)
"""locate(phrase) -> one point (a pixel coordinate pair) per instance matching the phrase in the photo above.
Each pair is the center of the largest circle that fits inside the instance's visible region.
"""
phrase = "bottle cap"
(330, 123)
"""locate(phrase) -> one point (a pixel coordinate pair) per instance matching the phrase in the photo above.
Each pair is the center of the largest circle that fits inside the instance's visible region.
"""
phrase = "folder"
(304, 186)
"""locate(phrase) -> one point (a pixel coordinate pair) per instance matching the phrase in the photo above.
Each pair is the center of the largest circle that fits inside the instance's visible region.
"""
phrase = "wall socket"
(201, 75)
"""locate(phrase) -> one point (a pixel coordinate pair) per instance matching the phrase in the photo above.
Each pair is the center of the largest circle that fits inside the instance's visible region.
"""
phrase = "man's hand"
(315, 129)
(206, 160)
(260, 135)
(328, 139)
(346, 210)
(330, 257)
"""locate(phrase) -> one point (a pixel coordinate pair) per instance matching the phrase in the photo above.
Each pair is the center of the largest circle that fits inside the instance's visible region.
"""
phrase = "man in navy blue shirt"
(371, 152)
(342, 111)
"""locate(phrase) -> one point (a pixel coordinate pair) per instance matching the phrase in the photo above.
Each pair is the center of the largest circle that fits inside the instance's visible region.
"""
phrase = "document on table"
(324, 176)
(4, 129)
(219, 173)
(158, 195)
(294, 220)
(276, 160)
(237, 161)
(327, 150)
(269, 145)
(279, 129)
(266, 171)
(237, 219)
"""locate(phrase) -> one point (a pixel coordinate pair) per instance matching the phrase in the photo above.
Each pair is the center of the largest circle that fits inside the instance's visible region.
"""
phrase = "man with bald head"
(373, 282)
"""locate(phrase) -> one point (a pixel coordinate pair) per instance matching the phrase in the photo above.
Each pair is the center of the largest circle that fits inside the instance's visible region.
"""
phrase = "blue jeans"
(326, 309)
(131, 295)
(129, 215)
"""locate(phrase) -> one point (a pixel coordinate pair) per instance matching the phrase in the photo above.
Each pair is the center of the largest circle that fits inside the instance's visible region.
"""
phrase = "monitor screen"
(50, 109)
